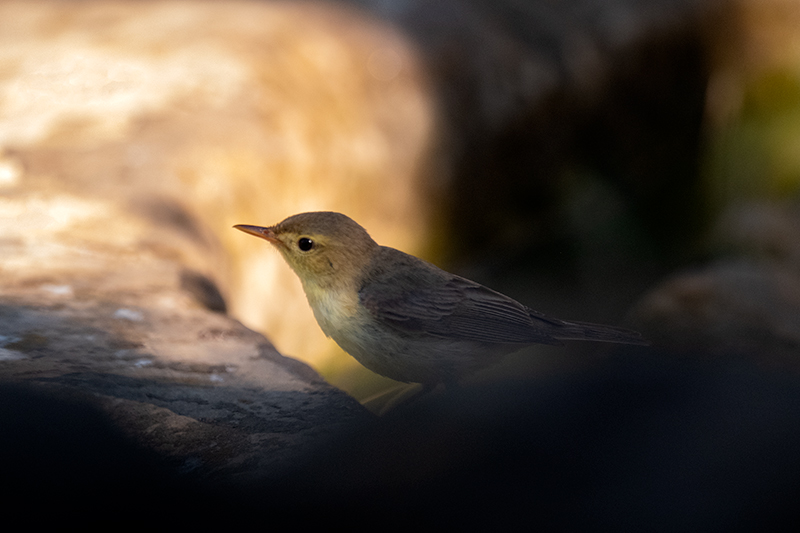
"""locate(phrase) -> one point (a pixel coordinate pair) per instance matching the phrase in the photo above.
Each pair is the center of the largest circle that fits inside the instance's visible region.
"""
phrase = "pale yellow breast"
(334, 309)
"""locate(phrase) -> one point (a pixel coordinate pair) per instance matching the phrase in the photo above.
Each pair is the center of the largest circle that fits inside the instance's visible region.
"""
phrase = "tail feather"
(585, 331)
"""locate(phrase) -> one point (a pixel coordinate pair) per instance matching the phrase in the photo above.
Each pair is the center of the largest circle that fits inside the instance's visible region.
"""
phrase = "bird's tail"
(585, 331)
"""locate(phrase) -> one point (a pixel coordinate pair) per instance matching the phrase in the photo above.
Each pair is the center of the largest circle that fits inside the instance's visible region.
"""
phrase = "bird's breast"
(334, 309)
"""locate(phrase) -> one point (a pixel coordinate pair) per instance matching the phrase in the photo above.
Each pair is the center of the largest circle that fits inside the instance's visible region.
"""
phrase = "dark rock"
(641, 442)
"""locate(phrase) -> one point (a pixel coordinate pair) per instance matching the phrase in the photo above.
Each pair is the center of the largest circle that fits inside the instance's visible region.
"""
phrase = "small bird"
(403, 317)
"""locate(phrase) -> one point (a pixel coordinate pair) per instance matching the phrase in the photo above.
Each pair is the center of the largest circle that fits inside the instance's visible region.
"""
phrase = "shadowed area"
(637, 443)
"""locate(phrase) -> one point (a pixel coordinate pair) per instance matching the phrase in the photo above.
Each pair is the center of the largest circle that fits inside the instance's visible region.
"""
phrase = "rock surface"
(194, 386)
(744, 304)
(123, 334)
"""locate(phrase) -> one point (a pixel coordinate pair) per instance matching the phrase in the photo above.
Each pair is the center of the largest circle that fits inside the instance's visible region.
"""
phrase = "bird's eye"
(305, 244)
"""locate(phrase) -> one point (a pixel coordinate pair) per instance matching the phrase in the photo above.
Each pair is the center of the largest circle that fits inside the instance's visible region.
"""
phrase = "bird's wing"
(411, 298)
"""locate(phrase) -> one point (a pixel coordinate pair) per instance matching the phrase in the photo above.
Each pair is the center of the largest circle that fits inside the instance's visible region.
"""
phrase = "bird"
(403, 317)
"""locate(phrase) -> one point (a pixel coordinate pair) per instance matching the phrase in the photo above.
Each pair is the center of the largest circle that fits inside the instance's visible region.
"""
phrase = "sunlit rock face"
(135, 133)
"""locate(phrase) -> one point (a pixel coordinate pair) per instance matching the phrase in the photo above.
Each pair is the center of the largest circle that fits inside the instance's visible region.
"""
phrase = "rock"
(193, 385)
(742, 304)
(638, 442)
(732, 309)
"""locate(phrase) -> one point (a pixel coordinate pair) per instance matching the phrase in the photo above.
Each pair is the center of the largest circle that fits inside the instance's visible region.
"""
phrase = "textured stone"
(195, 386)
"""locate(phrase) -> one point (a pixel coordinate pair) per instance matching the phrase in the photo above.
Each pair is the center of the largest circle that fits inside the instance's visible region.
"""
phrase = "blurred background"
(611, 161)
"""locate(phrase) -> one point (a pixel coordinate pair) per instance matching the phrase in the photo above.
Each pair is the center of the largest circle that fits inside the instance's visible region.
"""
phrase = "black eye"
(305, 244)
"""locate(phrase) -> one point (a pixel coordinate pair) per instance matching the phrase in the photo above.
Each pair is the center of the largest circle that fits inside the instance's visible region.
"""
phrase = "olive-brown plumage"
(403, 317)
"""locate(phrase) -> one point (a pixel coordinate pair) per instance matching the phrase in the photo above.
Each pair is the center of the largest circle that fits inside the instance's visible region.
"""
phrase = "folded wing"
(435, 302)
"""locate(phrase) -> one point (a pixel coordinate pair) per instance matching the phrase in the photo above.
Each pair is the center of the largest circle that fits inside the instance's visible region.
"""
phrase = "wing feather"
(415, 296)
(411, 295)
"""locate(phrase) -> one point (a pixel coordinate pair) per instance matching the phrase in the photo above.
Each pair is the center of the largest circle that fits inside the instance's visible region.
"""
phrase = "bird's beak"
(258, 231)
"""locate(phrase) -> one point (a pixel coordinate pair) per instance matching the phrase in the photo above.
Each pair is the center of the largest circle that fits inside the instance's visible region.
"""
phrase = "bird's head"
(324, 249)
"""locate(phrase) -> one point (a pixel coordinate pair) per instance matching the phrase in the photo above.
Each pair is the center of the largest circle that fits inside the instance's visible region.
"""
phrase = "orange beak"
(258, 231)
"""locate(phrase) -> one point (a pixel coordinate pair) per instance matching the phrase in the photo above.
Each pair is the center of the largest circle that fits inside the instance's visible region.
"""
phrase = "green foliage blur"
(755, 153)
